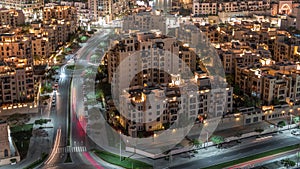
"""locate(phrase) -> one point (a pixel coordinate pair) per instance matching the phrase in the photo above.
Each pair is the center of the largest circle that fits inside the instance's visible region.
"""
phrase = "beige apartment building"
(205, 8)
(27, 5)
(5, 149)
(272, 83)
(11, 18)
(45, 40)
(286, 48)
(107, 9)
(146, 21)
(154, 108)
(4, 143)
(58, 24)
(67, 13)
(213, 7)
(17, 84)
(30, 8)
(154, 56)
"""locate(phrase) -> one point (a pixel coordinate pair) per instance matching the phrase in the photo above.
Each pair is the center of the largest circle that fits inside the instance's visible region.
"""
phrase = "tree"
(259, 130)
(281, 124)
(288, 163)
(236, 90)
(275, 101)
(248, 101)
(217, 139)
(196, 143)
(230, 79)
(96, 58)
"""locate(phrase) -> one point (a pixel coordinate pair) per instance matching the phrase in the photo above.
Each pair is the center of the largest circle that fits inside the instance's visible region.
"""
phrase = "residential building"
(30, 8)
(285, 7)
(145, 22)
(152, 51)
(205, 8)
(7, 148)
(272, 83)
(67, 13)
(11, 18)
(107, 9)
(63, 20)
(156, 108)
(286, 48)
(17, 84)
(214, 7)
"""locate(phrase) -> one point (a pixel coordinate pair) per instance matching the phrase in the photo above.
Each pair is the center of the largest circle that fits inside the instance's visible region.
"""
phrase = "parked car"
(295, 132)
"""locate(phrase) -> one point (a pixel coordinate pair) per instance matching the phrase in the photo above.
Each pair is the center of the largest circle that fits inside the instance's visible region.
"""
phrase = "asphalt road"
(79, 143)
(243, 150)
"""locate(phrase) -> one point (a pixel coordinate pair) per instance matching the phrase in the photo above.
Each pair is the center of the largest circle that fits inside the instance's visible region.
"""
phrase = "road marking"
(69, 149)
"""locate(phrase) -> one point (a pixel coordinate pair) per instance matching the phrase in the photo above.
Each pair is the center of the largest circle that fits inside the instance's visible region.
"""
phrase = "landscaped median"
(254, 157)
(126, 162)
(37, 162)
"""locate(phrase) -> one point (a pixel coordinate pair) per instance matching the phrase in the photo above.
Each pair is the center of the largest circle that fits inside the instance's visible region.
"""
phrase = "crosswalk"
(71, 149)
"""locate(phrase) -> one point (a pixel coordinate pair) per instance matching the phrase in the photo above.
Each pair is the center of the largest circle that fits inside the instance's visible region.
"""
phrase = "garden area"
(17, 119)
(74, 67)
(41, 121)
(124, 162)
(47, 88)
(21, 135)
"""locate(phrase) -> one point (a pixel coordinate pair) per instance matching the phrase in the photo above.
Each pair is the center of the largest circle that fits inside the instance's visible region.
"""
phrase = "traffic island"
(37, 162)
(21, 135)
(68, 159)
(123, 161)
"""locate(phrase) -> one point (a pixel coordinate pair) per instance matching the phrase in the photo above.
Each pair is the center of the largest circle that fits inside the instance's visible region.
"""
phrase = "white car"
(295, 132)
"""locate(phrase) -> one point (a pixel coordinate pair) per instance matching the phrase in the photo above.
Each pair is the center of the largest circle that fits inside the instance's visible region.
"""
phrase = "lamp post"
(120, 147)
(206, 139)
(290, 126)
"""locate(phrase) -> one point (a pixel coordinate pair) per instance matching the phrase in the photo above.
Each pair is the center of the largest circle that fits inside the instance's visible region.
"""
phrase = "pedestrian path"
(69, 149)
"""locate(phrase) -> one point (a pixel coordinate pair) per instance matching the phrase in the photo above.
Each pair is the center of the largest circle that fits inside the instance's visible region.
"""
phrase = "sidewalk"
(39, 138)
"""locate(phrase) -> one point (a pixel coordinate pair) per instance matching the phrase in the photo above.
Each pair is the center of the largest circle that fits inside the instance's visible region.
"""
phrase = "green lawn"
(253, 157)
(41, 121)
(126, 163)
(74, 67)
(21, 136)
(25, 127)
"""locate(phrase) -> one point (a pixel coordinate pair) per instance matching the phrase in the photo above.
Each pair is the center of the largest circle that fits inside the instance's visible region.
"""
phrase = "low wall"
(25, 108)
(7, 161)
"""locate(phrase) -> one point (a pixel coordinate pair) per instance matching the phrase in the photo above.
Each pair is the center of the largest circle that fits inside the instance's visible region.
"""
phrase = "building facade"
(17, 82)
(30, 8)
(11, 18)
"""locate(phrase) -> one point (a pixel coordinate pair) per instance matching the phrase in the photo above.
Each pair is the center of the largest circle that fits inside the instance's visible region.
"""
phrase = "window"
(5, 153)
(248, 121)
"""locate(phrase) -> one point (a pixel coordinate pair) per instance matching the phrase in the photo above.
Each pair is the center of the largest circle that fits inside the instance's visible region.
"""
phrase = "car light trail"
(92, 161)
(55, 147)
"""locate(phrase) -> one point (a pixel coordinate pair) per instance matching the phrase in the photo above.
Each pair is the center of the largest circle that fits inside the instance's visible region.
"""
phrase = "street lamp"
(120, 146)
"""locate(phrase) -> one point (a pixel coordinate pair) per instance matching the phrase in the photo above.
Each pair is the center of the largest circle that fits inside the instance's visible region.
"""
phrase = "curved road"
(79, 144)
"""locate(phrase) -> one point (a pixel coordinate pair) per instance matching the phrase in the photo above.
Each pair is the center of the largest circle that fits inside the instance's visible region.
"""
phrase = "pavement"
(38, 138)
(272, 161)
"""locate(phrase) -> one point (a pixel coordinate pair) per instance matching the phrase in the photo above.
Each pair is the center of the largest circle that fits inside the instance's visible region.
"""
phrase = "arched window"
(5, 153)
